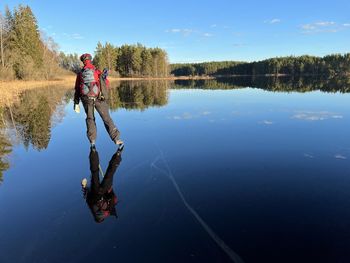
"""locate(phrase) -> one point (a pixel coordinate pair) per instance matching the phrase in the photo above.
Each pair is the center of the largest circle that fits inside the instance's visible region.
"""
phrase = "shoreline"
(69, 80)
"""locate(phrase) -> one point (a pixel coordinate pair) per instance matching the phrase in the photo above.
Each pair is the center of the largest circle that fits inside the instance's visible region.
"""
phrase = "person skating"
(88, 90)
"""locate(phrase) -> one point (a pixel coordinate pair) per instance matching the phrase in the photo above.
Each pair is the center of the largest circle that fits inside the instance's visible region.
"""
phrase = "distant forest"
(271, 83)
(330, 66)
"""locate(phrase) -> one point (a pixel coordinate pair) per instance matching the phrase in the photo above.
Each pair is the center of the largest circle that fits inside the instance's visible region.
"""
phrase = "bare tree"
(2, 31)
(50, 56)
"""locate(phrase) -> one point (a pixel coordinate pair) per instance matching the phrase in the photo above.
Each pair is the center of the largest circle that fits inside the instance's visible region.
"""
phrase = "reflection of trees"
(31, 117)
(284, 84)
(138, 95)
(5, 149)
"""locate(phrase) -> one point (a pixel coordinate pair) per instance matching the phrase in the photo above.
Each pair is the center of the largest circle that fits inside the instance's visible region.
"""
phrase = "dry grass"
(10, 90)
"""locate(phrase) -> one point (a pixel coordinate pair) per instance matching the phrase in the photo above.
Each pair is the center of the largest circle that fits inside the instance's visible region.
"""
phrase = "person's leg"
(94, 168)
(103, 110)
(107, 181)
(90, 119)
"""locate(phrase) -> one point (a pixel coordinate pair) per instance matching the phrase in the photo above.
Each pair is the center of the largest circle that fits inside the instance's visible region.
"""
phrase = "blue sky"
(195, 31)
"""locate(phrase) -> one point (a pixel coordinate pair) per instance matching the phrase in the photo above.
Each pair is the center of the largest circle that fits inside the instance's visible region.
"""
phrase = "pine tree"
(25, 44)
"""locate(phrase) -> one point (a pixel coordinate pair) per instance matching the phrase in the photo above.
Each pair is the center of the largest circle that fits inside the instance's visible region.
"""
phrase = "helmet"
(85, 56)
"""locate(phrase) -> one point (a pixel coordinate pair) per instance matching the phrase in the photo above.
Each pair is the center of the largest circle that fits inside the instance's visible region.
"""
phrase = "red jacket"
(79, 82)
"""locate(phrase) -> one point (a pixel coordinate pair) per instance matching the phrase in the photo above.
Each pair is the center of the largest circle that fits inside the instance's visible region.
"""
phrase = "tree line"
(330, 66)
(26, 53)
(125, 61)
(271, 83)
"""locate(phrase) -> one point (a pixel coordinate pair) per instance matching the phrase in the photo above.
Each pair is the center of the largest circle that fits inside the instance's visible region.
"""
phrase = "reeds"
(10, 90)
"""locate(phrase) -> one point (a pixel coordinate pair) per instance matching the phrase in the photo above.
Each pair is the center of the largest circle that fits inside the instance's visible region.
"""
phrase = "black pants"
(103, 111)
(97, 187)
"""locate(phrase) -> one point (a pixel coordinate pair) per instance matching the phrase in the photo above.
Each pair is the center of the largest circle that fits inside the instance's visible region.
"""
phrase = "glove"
(76, 108)
(84, 183)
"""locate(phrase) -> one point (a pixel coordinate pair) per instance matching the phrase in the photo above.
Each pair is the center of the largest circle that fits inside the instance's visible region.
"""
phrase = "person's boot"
(119, 143)
(92, 146)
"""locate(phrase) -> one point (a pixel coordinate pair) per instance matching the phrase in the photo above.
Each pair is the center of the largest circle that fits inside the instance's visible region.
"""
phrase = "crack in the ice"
(232, 255)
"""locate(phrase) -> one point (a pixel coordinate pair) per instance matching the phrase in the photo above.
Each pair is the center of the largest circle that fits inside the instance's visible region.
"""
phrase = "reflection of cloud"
(188, 116)
(265, 122)
(316, 116)
(184, 116)
(323, 27)
(339, 156)
(235, 112)
(308, 155)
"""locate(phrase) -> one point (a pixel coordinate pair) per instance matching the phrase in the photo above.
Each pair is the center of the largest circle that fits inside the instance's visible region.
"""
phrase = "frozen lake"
(210, 172)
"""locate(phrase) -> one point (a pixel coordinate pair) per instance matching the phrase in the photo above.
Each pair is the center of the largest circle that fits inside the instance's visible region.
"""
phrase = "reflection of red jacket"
(79, 82)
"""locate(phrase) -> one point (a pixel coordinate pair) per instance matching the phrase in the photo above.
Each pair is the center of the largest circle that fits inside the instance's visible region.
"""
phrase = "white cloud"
(272, 21)
(188, 31)
(77, 36)
(173, 30)
(323, 27)
(73, 36)
(213, 25)
(308, 27)
(325, 23)
(184, 31)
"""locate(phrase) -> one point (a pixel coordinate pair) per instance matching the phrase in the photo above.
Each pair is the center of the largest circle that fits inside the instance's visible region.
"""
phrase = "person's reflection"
(100, 196)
